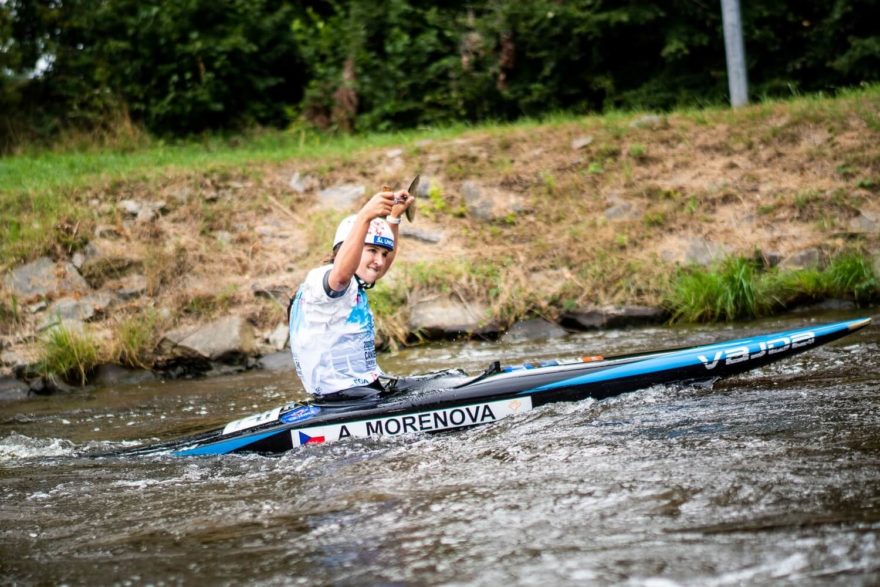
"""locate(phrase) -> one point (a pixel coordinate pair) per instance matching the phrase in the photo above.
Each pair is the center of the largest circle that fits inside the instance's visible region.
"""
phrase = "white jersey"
(332, 338)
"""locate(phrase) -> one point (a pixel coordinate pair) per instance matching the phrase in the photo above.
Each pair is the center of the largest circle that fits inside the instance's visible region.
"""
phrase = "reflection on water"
(768, 478)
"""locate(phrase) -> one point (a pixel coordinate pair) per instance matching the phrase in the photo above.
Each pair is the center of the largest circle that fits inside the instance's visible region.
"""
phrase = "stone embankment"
(231, 343)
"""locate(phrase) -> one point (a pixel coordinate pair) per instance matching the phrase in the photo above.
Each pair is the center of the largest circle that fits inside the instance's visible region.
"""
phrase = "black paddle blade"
(411, 211)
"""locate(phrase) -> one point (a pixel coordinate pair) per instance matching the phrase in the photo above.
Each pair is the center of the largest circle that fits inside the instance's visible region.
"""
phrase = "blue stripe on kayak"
(224, 446)
(819, 330)
(686, 357)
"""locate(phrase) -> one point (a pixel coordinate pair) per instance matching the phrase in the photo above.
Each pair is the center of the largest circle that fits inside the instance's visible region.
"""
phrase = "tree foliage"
(176, 67)
(185, 66)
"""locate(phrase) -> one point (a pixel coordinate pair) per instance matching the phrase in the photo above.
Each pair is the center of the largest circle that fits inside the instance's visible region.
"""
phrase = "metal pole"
(737, 78)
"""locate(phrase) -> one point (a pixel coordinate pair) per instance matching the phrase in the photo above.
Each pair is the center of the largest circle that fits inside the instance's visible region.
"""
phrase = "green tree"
(812, 45)
(184, 66)
(176, 66)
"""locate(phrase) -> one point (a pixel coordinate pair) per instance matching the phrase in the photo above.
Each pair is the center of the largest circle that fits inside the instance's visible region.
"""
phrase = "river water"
(772, 477)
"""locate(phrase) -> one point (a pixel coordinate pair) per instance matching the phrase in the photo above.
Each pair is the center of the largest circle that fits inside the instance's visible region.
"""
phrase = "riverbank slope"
(177, 258)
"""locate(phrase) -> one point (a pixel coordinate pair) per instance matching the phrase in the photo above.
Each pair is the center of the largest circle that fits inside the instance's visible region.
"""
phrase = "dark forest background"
(181, 67)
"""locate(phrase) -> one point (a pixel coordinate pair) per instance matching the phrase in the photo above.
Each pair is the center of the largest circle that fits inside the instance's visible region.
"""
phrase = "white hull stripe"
(252, 421)
(444, 419)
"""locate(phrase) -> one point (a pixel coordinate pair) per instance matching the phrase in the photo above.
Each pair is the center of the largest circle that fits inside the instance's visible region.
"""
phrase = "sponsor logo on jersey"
(733, 355)
(428, 421)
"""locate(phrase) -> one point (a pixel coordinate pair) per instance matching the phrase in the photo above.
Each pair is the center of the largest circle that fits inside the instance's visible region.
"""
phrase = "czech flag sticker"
(306, 439)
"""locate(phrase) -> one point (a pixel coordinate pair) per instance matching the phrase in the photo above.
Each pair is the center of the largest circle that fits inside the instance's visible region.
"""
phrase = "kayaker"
(332, 338)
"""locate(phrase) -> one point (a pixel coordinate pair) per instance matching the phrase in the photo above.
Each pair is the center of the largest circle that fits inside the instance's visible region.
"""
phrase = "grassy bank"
(667, 210)
(42, 192)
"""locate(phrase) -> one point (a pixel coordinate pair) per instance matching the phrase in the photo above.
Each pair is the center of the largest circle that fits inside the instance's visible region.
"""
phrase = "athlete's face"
(374, 263)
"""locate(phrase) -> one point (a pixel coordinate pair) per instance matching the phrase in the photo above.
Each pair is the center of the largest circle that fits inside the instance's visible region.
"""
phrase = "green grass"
(135, 339)
(638, 151)
(851, 276)
(740, 288)
(730, 292)
(69, 354)
(209, 305)
(11, 317)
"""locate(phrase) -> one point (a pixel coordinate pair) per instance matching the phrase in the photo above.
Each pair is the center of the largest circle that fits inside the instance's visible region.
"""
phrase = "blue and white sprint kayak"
(452, 400)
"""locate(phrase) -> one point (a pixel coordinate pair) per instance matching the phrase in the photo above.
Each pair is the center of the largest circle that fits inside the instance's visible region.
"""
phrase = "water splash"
(15, 447)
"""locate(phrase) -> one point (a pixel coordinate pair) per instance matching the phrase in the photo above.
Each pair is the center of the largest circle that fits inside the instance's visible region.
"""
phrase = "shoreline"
(21, 384)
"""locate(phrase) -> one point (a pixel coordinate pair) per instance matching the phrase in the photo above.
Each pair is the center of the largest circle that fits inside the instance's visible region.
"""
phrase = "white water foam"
(18, 446)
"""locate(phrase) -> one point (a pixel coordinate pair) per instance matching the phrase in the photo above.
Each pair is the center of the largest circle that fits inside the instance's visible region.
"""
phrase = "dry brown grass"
(775, 178)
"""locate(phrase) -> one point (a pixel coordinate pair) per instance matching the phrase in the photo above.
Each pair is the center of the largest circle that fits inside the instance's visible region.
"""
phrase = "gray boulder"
(128, 287)
(866, 223)
(702, 252)
(104, 259)
(143, 212)
(129, 207)
(490, 204)
(342, 197)
(619, 209)
(803, 259)
(426, 182)
(147, 215)
(279, 293)
(444, 316)
(651, 121)
(601, 317)
(16, 358)
(70, 311)
(279, 337)
(45, 278)
(227, 340)
(533, 329)
(303, 183)
(12, 389)
(278, 362)
(581, 142)
(424, 235)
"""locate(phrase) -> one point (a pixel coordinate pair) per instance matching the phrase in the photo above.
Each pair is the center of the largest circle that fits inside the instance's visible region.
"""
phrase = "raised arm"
(349, 255)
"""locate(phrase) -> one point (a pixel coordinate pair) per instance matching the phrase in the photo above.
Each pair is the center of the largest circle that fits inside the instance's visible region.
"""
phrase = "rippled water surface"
(768, 478)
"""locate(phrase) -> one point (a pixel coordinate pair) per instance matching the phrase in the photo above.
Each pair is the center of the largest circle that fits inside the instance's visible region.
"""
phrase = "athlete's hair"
(332, 258)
